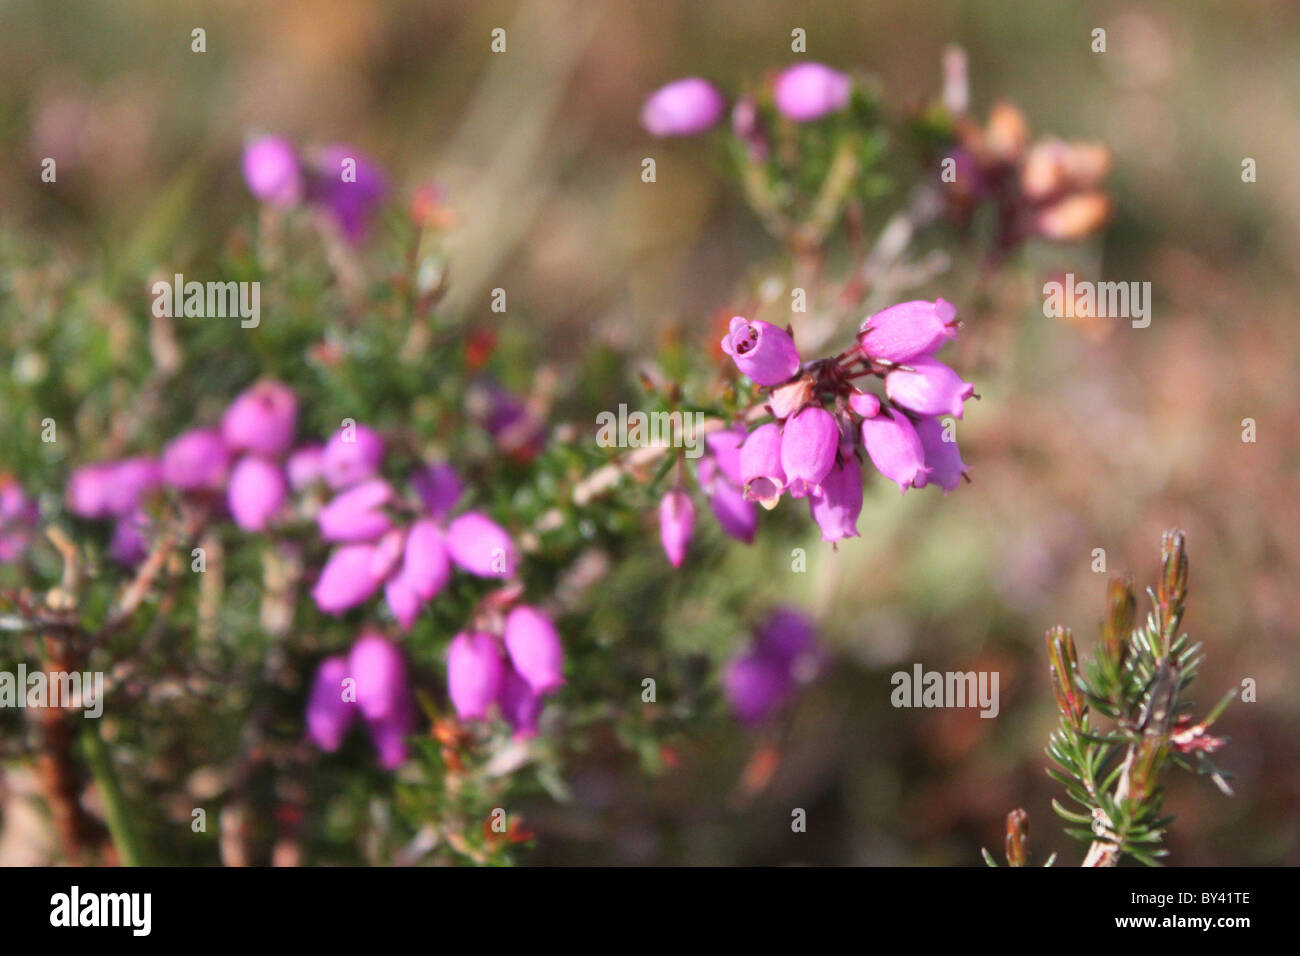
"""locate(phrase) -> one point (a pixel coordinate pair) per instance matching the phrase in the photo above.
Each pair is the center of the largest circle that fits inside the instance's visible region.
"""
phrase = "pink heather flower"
(89, 490)
(808, 445)
(810, 91)
(352, 201)
(682, 108)
(402, 600)
(129, 544)
(760, 465)
(755, 685)
(737, 516)
(354, 453)
(518, 432)
(328, 714)
(257, 490)
(942, 457)
(261, 420)
(747, 127)
(271, 171)
(196, 461)
(306, 466)
(534, 648)
(761, 350)
(481, 546)
(357, 514)
(724, 446)
(908, 330)
(376, 665)
(928, 387)
(389, 737)
(520, 705)
(347, 579)
(427, 565)
(894, 448)
(864, 403)
(676, 522)
(837, 506)
(439, 488)
(786, 634)
(130, 480)
(474, 674)
(18, 518)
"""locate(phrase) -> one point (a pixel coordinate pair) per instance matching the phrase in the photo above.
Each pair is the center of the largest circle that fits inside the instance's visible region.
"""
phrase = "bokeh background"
(1087, 435)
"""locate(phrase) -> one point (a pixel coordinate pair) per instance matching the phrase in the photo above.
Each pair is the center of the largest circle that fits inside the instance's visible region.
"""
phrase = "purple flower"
(942, 456)
(357, 514)
(682, 108)
(306, 466)
(426, 565)
(261, 420)
(676, 522)
(808, 445)
(328, 714)
(89, 490)
(481, 546)
(129, 481)
(389, 737)
(837, 506)
(908, 330)
(762, 351)
(474, 674)
(760, 465)
(894, 448)
(129, 543)
(535, 649)
(864, 403)
(519, 433)
(18, 518)
(928, 387)
(755, 685)
(271, 171)
(724, 446)
(810, 91)
(347, 579)
(439, 488)
(737, 516)
(376, 665)
(257, 490)
(349, 187)
(354, 453)
(520, 705)
(786, 634)
(196, 461)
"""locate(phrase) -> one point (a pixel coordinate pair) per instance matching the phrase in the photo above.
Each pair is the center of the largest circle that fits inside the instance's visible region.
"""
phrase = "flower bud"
(755, 685)
(261, 420)
(942, 457)
(810, 91)
(129, 545)
(357, 514)
(786, 634)
(761, 350)
(346, 580)
(837, 506)
(257, 490)
(389, 737)
(89, 490)
(196, 461)
(676, 522)
(439, 488)
(271, 171)
(328, 714)
(474, 674)
(1074, 217)
(520, 705)
(895, 449)
(353, 454)
(724, 446)
(1017, 838)
(682, 108)
(1117, 628)
(928, 388)
(18, 518)
(737, 516)
(535, 649)
(908, 330)
(426, 565)
(481, 546)
(864, 403)
(129, 482)
(353, 201)
(376, 665)
(306, 466)
(760, 465)
(1064, 664)
(808, 445)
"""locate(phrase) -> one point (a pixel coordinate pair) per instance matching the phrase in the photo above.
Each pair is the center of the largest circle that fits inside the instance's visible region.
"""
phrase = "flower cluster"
(18, 517)
(336, 179)
(802, 93)
(763, 677)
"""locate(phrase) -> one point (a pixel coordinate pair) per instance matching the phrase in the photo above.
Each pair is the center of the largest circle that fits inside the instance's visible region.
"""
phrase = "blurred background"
(1087, 435)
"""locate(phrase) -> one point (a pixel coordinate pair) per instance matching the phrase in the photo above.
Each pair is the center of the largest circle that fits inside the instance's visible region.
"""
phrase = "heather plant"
(358, 574)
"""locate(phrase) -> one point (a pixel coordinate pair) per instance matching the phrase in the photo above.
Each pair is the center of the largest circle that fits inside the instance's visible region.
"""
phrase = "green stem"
(125, 839)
